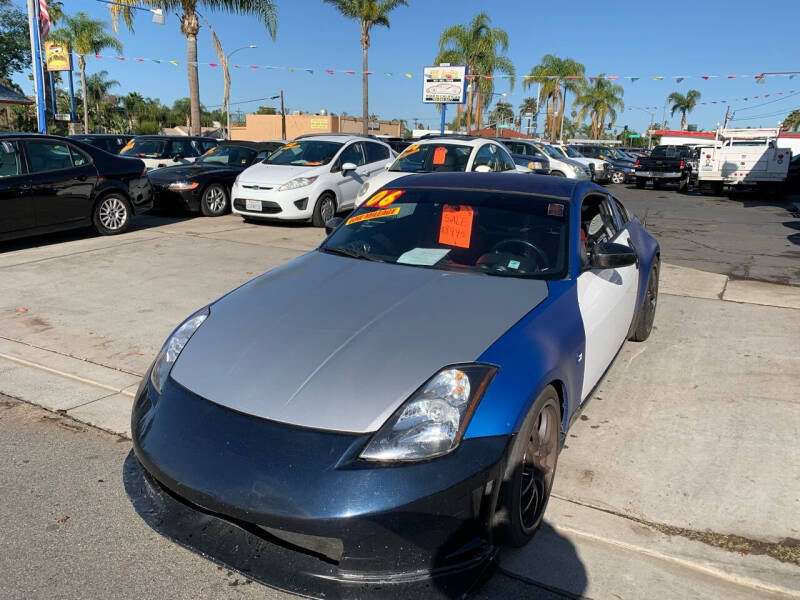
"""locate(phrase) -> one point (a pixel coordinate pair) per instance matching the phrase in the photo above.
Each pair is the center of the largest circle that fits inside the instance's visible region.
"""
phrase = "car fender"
(547, 345)
(648, 249)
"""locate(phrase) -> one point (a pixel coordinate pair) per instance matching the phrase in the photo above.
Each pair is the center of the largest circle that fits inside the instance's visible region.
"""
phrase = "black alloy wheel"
(529, 478)
(646, 315)
(214, 202)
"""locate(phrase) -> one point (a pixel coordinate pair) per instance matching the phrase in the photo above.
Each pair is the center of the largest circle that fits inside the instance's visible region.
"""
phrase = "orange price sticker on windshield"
(439, 155)
(410, 150)
(456, 227)
(375, 214)
(129, 145)
(289, 145)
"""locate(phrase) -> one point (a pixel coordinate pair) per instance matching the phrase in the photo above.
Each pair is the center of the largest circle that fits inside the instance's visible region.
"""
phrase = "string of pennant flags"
(312, 71)
(759, 78)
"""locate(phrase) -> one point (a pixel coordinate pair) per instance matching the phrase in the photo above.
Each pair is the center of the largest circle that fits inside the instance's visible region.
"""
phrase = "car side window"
(185, 148)
(622, 212)
(486, 157)
(10, 160)
(79, 158)
(352, 154)
(598, 224)
(506, 163)
(376, 152)
(46, 155)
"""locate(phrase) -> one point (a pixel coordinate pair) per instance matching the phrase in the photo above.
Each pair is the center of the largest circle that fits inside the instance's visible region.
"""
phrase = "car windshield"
(667, 152)
(424, 158)
(482, 232)
(230, 156)
(571, 152)
(623, 154)
(550, 151)
(145, 148)
(304, 153)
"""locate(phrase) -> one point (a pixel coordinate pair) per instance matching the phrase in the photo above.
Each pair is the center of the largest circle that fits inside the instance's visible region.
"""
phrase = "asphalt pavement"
(679, 480)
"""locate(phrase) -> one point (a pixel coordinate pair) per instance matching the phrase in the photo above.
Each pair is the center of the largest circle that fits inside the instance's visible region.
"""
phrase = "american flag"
(44, 19)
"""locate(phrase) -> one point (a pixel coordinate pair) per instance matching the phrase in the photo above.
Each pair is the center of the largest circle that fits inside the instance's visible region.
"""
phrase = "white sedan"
(444, 154)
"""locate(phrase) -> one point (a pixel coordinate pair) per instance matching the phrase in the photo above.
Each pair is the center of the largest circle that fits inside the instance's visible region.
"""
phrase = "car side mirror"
(177, 157)
(611, 256)
(332, 224)
(348, 166)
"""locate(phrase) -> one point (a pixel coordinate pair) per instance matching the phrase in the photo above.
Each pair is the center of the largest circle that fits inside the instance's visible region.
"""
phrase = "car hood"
(336, 343)
(378, 181)
(277, 174)
(181, 172)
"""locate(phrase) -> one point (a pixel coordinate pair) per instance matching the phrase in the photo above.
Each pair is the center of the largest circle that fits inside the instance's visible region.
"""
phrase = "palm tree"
(684, 104)
(792, 121)
(476, 45)
(557, 77)
(265, 10)
(369, 13)
(600, 99)
(85, 36)
(97, 86)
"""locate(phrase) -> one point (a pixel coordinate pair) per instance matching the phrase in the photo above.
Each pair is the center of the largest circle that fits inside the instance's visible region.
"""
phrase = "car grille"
(255, 186)
(267, 207)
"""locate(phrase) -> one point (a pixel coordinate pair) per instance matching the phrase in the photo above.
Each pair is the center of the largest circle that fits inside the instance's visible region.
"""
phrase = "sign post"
(444, 84)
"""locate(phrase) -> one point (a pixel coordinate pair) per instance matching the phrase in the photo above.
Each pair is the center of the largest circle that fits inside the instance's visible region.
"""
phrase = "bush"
(146, 128)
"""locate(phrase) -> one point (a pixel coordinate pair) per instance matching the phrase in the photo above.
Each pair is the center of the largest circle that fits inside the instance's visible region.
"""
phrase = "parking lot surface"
(679, 479)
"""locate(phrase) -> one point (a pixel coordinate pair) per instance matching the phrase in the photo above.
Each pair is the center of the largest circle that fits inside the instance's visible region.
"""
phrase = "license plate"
(253, 205)
(706, 169)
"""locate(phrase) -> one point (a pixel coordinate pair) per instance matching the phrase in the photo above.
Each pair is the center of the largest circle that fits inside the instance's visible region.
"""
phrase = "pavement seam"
(540, 585)
(64, 354)
(739, 580)
(78, 378)
(38, 260)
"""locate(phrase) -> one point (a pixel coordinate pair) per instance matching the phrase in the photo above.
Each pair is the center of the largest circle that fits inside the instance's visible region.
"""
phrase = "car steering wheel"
(543, 260)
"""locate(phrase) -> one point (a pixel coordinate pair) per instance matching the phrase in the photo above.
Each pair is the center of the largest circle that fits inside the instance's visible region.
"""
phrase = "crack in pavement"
(787, 550)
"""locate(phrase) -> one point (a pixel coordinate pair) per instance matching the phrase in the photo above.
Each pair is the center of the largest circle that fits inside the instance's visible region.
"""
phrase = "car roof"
(100, 135)
(544, 185)
(339, 137)
(464, 140)
(176, 137)
(247, 144)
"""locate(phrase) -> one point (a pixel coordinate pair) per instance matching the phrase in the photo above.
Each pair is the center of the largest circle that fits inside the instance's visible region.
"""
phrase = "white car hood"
(277, 174)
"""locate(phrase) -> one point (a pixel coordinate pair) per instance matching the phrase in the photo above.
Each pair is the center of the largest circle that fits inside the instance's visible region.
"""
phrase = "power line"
(770, 102)
(764, 116)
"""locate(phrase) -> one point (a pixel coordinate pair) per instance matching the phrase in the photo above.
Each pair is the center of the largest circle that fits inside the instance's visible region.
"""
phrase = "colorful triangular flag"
(634, 79)
(173, 62)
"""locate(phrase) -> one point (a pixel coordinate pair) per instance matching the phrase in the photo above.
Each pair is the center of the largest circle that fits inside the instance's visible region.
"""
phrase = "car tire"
(557, 174)
(112, 214)
(618, 177)
(530, 473)
(641, 182)
(324, 209)
(214, 201)
(646, 314)
(683, 184)
(656, 184)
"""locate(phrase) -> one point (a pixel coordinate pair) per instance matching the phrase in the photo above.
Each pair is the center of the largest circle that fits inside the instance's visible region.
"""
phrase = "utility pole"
(36, 58)
(283, 119)
(727, 116)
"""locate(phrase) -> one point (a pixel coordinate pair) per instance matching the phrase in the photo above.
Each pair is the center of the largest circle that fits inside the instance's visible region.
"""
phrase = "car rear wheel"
(324, 210)
(618, 177)
(532, 466)
(641, 182)
(112, 214)
(214, 202)
(683, 184)
(644, 319)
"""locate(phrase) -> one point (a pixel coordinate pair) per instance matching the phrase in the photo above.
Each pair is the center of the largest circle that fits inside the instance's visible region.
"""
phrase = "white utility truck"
(740, 157)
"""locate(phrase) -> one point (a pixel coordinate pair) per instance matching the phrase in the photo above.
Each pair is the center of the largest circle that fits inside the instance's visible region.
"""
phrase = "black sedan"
(50, 183)
(110, 142)
(205, 184)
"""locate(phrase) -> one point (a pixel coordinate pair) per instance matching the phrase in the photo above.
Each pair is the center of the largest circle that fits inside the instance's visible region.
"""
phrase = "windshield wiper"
(343, 251)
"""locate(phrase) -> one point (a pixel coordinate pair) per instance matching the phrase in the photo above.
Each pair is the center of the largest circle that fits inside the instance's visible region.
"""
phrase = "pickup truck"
(665, 164)
(742, 157)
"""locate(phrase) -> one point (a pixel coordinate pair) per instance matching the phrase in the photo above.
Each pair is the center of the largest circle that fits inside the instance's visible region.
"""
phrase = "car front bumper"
(289, 205)
(185, 199)
(303, 513)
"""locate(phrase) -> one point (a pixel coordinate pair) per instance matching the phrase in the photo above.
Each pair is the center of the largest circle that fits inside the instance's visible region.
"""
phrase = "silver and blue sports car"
(385, 411)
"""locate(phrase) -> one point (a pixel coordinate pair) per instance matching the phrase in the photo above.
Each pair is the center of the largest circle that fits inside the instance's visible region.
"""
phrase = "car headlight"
(297, 182)
(180, 186)
(364, 189)
(433, 420)
(173, 347)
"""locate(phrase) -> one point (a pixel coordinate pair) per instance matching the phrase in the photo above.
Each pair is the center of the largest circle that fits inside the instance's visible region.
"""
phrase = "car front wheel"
(618, 177)
(532, 466)
(112, 214)
(640, 182)
(214, 202)
(644, 319)
(324, 210)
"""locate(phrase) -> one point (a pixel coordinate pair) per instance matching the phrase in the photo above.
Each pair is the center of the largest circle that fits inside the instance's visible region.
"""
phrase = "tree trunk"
(364, 76)
(190, 26)
(683, 120)
(561, 114)
(82, 67)
(470, 93)
(459, 115)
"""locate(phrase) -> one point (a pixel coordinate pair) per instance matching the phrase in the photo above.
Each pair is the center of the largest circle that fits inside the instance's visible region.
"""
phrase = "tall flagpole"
(33, 25)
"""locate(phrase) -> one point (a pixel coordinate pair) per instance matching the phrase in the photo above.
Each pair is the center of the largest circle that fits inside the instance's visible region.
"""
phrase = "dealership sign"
(445, 84)
(58, 58)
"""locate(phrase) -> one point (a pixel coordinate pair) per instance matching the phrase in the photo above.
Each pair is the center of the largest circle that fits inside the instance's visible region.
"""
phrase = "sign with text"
(444, 84)
(58, 58)
(456, 227)
(319, 123)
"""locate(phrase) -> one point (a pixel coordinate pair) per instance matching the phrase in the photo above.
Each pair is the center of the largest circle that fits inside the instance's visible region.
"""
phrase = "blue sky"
(626, 39)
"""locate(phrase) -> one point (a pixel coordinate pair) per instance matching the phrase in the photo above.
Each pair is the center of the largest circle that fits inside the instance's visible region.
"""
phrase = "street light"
(158, 14)
(227, 91)
(652, 120)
